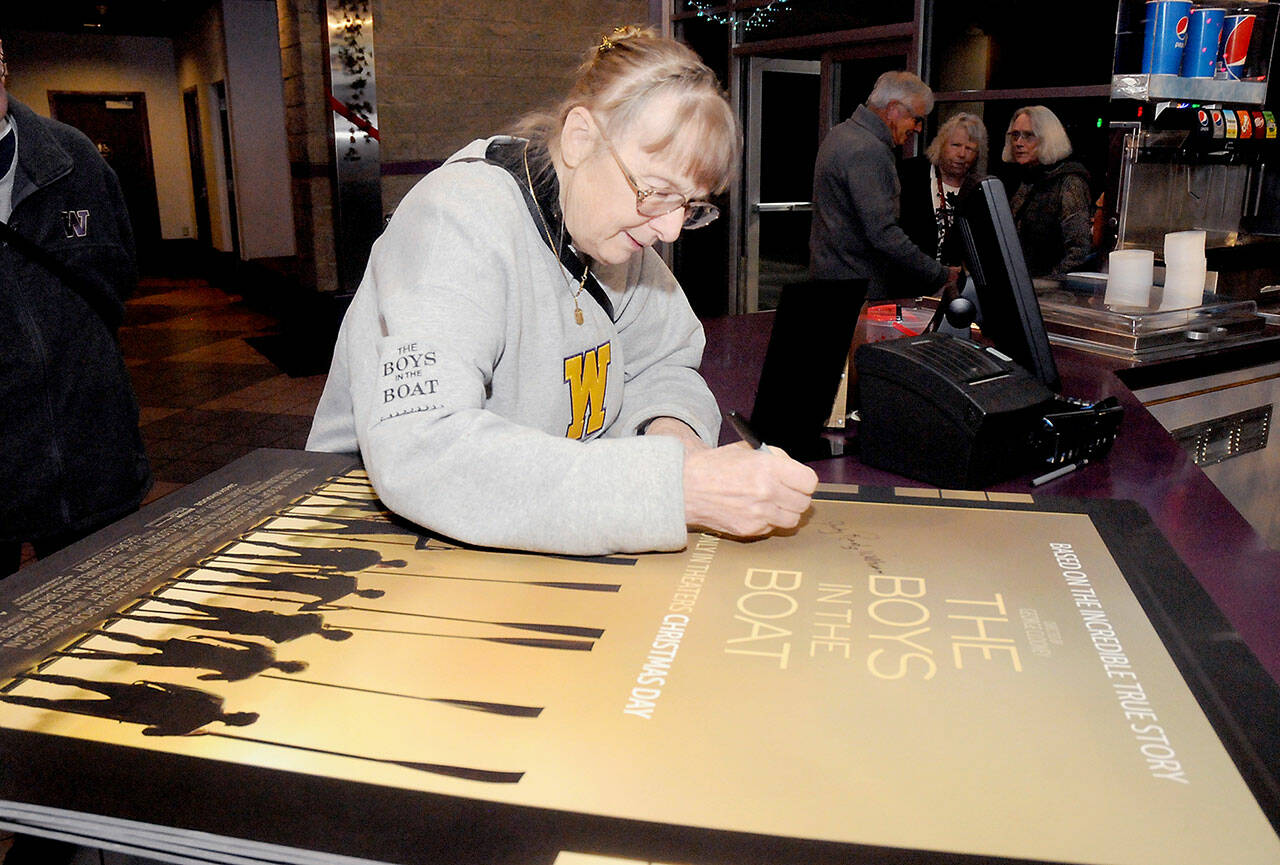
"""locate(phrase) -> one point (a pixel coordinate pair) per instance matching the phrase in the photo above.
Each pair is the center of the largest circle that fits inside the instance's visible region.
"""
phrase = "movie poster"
(900, 672)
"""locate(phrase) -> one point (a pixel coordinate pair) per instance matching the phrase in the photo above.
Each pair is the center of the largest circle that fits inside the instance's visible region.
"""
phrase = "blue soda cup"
(1237, 29)
(1200, 57)
(1165, 36)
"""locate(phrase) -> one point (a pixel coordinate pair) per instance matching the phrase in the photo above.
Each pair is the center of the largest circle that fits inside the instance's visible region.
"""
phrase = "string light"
(760, 16)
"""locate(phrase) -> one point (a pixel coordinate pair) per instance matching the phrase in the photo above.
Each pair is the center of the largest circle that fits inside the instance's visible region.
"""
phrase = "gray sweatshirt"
(481, 410)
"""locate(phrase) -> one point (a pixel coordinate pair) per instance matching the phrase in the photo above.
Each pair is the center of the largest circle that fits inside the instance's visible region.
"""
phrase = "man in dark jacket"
(856, 231)
(71, 456)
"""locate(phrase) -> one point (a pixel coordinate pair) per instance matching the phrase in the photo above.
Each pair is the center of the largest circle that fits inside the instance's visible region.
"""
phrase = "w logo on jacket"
(587, 374)
(76, 223)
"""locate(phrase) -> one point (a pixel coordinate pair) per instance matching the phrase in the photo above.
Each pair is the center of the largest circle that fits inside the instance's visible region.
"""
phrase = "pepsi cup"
(1237, 30)
(1204, 32)
(1165, 36)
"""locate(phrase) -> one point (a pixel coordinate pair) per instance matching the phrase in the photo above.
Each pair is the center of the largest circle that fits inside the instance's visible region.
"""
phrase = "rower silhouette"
(277, 627)
(344, 559)
(326, 586)
(162, 709)
(229, 659)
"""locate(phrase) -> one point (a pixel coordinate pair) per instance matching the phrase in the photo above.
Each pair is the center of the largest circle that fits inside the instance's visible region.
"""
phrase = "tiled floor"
(207, 396)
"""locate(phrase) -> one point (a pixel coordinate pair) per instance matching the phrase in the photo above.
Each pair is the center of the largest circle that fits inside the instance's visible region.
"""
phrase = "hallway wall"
(255, 92)
(41, 62)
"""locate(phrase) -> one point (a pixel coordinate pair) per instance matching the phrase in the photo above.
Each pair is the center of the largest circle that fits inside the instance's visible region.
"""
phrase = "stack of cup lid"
(1129, 274)
(1184, 269)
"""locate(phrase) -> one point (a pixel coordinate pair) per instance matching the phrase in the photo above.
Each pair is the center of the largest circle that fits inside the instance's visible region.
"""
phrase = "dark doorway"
(117, 124)
(195, 151)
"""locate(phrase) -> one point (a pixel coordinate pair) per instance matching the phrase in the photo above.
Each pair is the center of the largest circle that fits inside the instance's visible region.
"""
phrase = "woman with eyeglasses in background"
(1052, 202)
(518, 367)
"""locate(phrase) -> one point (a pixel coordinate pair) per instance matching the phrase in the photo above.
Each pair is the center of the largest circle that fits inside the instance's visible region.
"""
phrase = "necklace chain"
(556, 246)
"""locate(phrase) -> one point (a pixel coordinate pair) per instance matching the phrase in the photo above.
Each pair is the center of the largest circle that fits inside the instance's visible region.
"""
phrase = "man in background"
(856, 232)
(71, 456)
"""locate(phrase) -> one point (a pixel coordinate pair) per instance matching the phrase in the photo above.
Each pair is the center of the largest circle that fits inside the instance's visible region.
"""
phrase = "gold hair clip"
(607, 44)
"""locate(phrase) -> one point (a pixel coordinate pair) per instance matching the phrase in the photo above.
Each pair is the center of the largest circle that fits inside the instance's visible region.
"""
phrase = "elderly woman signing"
(518, 368)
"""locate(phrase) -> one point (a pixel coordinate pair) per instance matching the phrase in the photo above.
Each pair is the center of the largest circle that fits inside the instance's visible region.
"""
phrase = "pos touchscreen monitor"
(999, 286)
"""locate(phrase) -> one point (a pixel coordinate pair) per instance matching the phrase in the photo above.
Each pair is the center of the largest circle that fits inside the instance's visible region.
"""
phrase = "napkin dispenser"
(948, 411)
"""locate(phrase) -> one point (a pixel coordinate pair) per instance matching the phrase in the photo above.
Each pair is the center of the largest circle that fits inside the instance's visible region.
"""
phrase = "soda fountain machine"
(1197, 148)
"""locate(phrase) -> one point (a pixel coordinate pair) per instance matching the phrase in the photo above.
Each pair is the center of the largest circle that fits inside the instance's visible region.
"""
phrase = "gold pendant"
(577, 315)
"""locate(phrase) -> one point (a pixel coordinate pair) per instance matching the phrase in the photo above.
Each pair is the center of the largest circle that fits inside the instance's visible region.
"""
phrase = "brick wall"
(454, 70)
(447, 71)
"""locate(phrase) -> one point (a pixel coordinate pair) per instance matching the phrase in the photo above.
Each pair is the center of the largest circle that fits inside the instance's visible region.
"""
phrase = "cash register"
(944, 409)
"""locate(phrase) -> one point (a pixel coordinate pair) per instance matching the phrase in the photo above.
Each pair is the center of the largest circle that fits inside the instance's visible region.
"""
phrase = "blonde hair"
(624, 75)
(1054, 143)
(972, 126)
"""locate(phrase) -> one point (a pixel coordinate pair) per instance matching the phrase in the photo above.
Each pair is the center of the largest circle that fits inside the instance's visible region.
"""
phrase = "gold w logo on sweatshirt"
(586, 374)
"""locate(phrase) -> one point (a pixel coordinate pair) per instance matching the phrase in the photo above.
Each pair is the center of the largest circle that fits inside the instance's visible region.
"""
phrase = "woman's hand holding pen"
(745, 492)
(745, 489)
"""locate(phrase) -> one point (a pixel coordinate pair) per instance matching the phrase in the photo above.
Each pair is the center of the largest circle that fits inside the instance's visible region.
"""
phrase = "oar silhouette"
(508, 709)
(307, 533)
(567, 630)
(531, 642)
(543, 584)
(454, 546)
(263, 597)
(485, 775)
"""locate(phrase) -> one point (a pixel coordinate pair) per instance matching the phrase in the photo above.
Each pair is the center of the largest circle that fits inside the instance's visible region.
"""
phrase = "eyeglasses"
(653, 203)
(917, 119)
(1019, 135)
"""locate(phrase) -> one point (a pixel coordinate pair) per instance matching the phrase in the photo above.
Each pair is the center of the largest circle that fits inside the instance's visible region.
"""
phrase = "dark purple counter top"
(1232, 563)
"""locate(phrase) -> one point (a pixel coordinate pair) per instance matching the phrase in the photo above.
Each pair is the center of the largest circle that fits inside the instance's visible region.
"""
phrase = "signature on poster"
(852, 540)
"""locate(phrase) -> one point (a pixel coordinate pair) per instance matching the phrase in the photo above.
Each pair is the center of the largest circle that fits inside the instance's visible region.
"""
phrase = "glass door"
(782, 130)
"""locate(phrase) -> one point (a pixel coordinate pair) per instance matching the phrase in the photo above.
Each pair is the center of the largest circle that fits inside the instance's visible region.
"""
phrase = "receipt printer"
(948, 411)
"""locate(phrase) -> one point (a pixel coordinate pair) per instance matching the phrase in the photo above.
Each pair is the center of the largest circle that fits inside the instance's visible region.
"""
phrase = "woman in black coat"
(1052, 205)
(932, 185)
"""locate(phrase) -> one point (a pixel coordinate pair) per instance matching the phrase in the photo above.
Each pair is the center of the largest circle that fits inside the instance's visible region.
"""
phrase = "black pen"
(745, 432)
